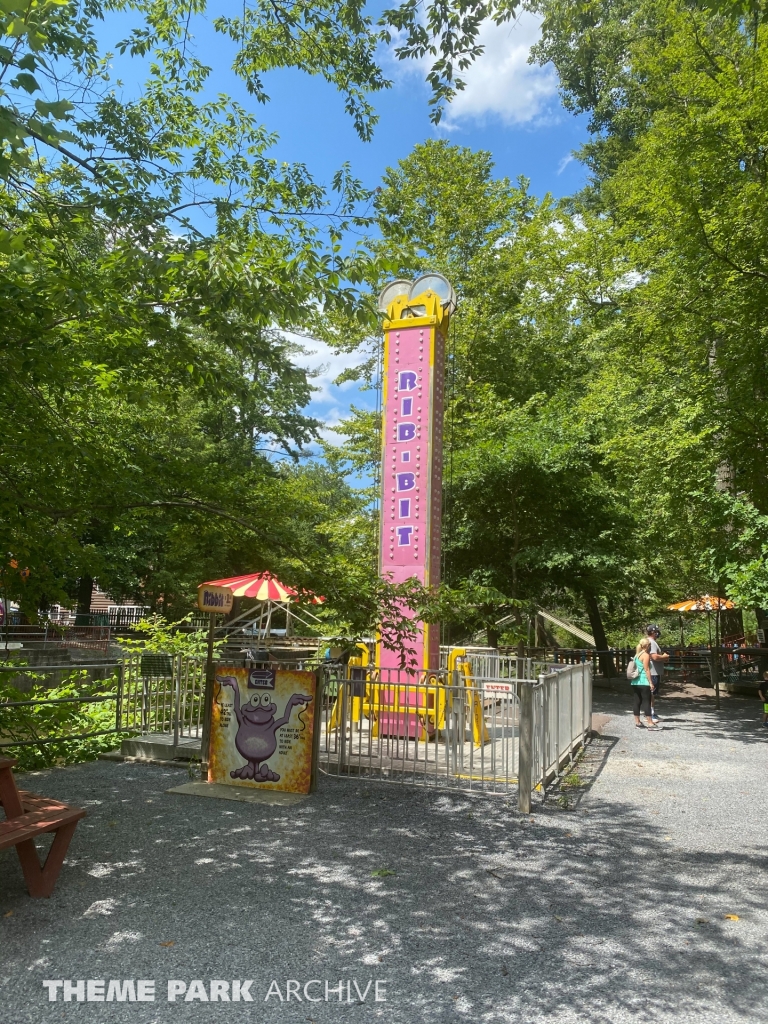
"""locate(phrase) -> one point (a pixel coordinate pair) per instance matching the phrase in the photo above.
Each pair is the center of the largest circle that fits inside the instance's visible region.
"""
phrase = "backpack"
(632, 670)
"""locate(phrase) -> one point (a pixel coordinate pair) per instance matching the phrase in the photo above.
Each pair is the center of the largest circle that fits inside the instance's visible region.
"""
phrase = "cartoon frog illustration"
(257, 727)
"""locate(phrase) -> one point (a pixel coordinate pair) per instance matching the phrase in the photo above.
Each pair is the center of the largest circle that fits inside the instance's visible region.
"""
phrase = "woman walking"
(641, 684)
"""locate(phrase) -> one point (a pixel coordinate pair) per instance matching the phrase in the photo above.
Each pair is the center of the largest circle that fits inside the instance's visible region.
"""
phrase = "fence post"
(145, 685)
(525, 751)
(344, 684)
(119, 701)
(317, 724)
(177, 662)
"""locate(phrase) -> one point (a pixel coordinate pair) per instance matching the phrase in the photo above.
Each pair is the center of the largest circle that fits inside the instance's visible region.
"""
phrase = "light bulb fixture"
(432, 282)
(390, 292)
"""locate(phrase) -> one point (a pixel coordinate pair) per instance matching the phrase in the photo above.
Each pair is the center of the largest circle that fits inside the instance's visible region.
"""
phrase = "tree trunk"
(598, 632)
(84, 595)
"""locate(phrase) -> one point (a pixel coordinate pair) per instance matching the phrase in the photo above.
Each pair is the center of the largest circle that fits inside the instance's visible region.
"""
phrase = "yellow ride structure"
(406, 707)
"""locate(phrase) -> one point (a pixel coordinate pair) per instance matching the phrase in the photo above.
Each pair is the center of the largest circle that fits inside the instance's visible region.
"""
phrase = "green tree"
(676, 94)
(153, 255)
(532, 511)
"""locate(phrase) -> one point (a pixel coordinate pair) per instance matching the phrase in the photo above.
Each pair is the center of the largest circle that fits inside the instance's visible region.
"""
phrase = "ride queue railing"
(458, 729)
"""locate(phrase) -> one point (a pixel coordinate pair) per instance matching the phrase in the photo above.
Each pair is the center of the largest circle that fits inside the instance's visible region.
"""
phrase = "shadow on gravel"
(570, 790)
(737, 721)
(467, 910)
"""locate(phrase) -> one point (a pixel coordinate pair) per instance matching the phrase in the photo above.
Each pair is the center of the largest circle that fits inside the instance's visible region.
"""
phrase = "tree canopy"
(608, 401)
(607, 421)
(154, 257)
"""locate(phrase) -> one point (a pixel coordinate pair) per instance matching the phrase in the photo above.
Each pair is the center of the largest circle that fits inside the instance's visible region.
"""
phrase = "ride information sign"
(262, 729)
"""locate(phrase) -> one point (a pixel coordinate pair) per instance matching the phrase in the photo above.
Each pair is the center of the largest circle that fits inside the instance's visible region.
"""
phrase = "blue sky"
(509, 107)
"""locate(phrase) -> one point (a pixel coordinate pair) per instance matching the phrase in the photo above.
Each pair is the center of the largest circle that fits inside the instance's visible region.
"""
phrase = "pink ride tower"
(412, 447)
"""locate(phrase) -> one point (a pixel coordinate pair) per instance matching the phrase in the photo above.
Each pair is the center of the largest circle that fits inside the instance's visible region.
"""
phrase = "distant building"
(104, 611)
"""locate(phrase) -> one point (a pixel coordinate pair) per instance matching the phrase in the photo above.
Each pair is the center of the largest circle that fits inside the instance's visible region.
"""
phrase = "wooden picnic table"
(28, 815)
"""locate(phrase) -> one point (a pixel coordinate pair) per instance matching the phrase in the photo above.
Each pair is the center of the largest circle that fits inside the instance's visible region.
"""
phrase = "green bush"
(157, 635)
(42, 721)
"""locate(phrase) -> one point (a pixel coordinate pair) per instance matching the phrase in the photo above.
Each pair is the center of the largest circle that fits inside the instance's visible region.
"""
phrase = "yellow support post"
(457, 661)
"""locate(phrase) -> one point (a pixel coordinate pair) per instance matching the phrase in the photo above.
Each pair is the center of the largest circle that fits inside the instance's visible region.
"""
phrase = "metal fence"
(419, 729)
(454, 729)
(116, 616)
(50, 635)
(701, 665)
(143, 700)
(555, 721)
(457, 729)
(489, 663)
(167, 701)
(26, 722)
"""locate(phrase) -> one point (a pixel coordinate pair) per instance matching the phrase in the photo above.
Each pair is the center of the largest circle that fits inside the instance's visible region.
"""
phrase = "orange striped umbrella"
(705, 603)
(263, 586)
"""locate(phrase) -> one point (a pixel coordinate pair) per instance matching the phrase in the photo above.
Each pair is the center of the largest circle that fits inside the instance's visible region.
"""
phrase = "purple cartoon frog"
(256, 737)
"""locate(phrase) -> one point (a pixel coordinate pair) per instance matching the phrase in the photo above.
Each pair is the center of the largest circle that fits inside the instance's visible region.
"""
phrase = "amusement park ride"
(415, 328)
(416, 317)
(402, 693)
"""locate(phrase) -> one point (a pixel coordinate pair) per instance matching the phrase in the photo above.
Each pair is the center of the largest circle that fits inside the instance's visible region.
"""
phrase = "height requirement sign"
(412, 446)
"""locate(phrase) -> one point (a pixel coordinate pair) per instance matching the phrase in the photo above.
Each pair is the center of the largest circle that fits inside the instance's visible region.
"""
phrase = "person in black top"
(658, 661)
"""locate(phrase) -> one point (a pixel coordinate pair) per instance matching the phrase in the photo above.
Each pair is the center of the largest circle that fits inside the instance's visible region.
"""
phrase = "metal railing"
(686, 664)
(169, 703)
(489, 663)
(555, 722)
(419, 729)
(116, 616)
(49, 634)
(21, 722)
(143, 703)
(454, 730)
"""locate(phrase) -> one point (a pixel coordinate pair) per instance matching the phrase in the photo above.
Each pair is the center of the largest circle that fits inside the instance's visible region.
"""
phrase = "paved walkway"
(612, 911)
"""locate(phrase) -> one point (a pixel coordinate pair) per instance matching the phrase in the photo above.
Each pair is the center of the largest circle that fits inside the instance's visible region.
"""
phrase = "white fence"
(420, 730)
(487, 663)
(168, 699)
(480, 726)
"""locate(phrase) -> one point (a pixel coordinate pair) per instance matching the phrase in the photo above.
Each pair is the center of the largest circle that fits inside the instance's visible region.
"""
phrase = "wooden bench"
(28, 815)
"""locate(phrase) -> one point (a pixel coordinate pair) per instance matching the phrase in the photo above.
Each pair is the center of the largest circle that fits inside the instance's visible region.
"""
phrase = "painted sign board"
(412, 469)
(498, 687)
(214, 599)
(262, 728)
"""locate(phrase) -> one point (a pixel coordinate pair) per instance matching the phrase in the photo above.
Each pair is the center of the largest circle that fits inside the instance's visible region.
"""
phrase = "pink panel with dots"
(412, 469)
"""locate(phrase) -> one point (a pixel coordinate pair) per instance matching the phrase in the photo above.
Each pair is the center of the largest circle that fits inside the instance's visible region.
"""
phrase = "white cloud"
(501, 83)
(564, 162)
(331, 402)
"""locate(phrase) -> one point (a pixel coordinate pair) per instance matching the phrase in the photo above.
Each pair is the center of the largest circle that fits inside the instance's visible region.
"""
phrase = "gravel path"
(611, 911)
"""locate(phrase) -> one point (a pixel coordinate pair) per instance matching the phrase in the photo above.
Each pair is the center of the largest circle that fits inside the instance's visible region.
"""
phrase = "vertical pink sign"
(412, 471)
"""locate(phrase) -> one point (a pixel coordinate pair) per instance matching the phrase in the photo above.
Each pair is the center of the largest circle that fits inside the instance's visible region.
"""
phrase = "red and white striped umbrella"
(262, 586)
